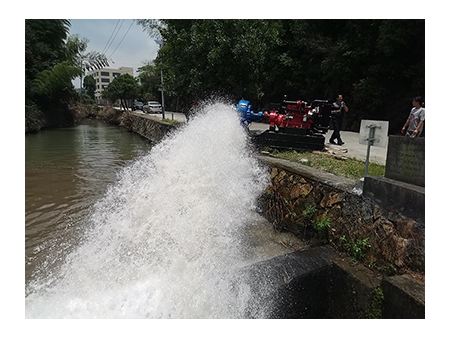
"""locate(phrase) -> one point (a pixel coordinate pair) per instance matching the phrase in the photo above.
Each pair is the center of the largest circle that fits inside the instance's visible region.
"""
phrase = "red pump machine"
(297, 125)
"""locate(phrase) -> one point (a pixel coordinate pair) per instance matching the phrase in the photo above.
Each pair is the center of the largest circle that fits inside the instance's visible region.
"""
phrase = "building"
(104, 76)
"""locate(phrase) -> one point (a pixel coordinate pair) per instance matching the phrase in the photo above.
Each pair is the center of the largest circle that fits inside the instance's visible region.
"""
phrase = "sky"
(123, 41)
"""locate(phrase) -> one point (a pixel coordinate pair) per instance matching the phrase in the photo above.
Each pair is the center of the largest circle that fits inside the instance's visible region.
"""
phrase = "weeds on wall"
(385, 269)
(356, 249)
(320, 223)
(282, 212)
(375, 310)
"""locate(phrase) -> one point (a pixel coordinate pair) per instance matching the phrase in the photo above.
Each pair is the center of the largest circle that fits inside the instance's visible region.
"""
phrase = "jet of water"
(166, 239)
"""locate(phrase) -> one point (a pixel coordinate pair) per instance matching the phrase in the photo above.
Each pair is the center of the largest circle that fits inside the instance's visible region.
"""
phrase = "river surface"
(66, 171)
(118, 228)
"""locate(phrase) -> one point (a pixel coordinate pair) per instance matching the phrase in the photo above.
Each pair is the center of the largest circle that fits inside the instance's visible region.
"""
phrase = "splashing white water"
(165, 240)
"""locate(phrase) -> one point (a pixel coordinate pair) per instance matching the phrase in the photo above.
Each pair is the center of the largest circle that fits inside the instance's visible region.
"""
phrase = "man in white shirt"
(414, 124)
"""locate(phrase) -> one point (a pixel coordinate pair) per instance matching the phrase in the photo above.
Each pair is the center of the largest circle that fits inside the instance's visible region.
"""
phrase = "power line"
(104, 49)
(122, 38)
(110, 43)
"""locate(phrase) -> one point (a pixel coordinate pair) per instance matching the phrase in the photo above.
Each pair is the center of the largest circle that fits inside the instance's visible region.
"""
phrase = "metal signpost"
(373, 133)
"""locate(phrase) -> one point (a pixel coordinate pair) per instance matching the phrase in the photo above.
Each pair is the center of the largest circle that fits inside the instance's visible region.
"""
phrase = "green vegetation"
(373, 63)
(149, 79)
(386, 269)
(89, 86)
(174, 122)
(309, 213)
(347, 167)
(123, 88)
(356, 249)
(320, 223)
(76, 47)
(375, 310)
(52, 61)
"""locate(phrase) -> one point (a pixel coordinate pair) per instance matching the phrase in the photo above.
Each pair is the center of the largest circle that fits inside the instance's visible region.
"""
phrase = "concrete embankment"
(149, 126)
(319, 283)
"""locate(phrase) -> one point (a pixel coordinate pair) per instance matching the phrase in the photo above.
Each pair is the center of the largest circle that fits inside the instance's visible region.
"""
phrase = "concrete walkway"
(351, 149)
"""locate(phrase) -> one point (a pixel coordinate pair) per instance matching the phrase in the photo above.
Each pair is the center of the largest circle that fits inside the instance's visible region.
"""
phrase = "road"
(351, 149)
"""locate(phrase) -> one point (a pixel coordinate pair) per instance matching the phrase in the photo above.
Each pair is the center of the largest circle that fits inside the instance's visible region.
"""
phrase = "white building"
(104, 76)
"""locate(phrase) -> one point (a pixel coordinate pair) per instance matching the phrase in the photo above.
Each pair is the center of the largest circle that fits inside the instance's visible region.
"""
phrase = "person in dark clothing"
(336, 119)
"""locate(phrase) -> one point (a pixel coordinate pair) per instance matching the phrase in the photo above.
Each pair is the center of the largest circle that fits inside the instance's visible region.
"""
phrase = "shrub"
(34, 118)
(109, 114)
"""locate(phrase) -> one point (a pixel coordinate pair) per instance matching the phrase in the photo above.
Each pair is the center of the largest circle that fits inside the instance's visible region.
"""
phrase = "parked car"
(137, 105)
(152, 107)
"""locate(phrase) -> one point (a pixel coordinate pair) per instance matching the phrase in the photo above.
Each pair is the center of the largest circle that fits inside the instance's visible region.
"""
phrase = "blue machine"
(247, 116)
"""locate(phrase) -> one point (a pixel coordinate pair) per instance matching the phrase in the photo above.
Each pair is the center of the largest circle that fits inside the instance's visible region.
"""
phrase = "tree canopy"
(377, 65)
(89, 86)
(227, 57)
(76, 47)
(149, 82)
(45, 59)
(123, 88)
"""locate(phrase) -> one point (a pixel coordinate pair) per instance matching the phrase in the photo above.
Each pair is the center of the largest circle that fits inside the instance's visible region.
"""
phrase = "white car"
(152, 107)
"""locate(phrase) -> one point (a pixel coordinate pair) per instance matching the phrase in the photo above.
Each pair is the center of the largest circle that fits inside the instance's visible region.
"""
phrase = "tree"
(48, 75)
(204, 57)
(150, 81)
(51, 83)
(44, 44)
(44, 48)
(124, 88)
(378, 65)
(89, 86)
(153, 27)
(76, 53)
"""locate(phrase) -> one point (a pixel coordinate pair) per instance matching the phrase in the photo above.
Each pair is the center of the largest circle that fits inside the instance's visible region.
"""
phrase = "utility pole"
(162, 96)
(160, 43)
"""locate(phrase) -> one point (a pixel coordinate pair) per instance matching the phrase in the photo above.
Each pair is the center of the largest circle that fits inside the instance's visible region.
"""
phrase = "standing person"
(414, 124)
(336, 118)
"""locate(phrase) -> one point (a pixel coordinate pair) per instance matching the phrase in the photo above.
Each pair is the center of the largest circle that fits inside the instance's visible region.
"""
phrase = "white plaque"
(380, 132)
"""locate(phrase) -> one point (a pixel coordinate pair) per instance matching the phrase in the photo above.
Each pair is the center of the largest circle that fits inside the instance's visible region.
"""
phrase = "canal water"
(66, 171)
(117, 228)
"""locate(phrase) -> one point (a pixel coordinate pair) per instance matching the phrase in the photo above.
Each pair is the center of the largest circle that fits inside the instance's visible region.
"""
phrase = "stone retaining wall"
(397, 243)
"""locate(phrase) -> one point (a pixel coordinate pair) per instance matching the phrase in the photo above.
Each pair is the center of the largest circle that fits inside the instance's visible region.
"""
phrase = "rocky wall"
(153, 130)
(304, 200)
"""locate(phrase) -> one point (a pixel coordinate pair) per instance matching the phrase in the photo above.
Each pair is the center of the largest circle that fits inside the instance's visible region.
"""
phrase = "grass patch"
(175, 122)
(346, 167)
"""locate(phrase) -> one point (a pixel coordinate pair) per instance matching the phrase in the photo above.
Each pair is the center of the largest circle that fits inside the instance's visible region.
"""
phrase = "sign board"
(379, 134)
